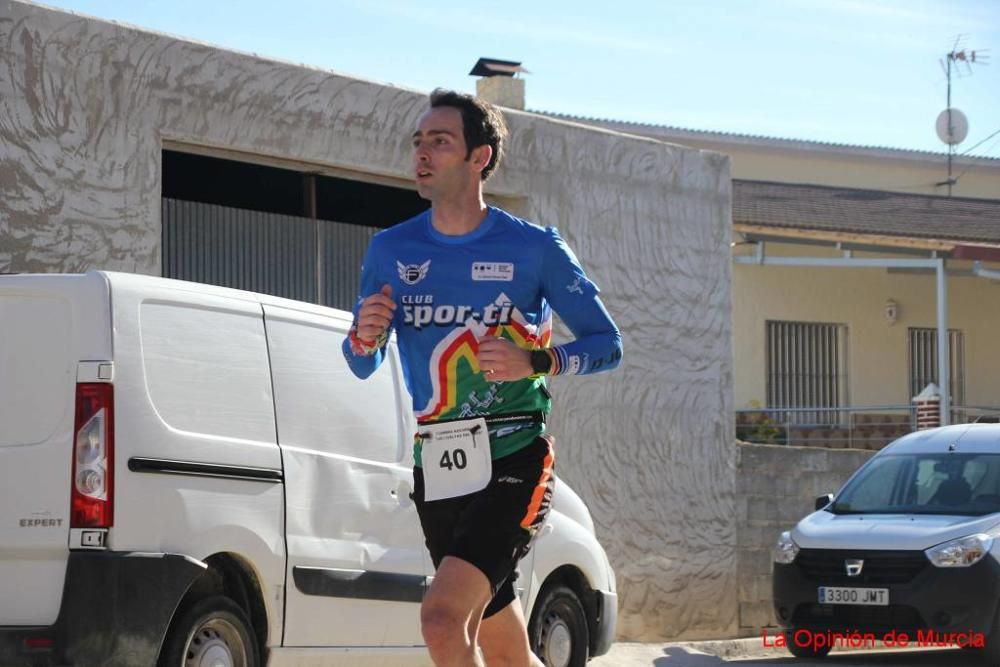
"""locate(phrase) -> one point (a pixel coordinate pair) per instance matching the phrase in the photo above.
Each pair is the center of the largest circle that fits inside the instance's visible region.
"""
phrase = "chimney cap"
(493, 67)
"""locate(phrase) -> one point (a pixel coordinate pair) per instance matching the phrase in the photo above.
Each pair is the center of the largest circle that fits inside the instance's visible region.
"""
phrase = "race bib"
(456, 458)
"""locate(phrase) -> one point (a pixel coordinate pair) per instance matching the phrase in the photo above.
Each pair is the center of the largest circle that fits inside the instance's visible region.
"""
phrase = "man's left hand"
(500, 360)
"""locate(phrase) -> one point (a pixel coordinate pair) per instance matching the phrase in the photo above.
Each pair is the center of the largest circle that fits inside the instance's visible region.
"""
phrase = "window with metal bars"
(807, 368)
(923, 355)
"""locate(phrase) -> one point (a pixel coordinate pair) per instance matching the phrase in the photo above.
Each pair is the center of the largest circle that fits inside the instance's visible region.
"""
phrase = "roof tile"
(866, 211)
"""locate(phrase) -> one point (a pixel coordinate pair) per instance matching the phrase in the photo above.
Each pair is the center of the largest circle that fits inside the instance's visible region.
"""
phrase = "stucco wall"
(85, 105)
(877, 351)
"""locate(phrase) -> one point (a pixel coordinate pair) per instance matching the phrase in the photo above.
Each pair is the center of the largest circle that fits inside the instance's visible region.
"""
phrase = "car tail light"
(93, 457)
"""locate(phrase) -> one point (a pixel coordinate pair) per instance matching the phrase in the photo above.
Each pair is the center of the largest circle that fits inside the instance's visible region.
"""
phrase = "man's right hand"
(375, 315)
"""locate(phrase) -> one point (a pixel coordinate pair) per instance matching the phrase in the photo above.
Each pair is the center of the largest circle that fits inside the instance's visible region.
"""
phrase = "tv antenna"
(952, 126)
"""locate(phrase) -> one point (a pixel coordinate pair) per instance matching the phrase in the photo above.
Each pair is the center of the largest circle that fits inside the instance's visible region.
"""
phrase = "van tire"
(213, 625)
(558, 629)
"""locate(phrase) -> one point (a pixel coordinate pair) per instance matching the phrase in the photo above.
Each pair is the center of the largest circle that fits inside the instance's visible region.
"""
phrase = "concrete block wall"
(776, 485)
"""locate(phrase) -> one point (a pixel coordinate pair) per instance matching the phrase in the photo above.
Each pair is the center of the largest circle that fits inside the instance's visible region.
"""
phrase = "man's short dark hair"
(482, 124)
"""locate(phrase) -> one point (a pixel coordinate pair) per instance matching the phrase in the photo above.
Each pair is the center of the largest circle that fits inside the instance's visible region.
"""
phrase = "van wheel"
(558, 629)
(807, 650)
(213, 632)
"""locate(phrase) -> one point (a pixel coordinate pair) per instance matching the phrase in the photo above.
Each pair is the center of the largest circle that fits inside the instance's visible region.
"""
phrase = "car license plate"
(844, 595)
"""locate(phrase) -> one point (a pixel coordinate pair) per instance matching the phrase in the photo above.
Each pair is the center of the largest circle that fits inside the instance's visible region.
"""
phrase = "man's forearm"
(588, 354)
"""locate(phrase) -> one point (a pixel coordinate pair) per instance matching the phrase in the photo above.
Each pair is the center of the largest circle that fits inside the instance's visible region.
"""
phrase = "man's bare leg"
(451, 613)
(504, 639)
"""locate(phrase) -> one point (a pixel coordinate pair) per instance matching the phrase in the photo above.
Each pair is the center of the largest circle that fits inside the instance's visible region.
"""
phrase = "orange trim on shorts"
(540, 488)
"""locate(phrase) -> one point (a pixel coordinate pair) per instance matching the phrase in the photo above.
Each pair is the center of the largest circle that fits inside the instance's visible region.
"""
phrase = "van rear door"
(48, 325)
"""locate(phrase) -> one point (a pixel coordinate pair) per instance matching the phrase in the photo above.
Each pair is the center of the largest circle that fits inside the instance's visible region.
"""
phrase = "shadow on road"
(677, 656)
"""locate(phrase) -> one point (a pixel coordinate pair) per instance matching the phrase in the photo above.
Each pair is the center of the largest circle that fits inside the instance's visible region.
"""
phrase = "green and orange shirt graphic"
(501, 280)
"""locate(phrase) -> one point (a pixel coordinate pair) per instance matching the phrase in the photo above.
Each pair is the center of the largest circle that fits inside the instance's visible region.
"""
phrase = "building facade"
(126, 150)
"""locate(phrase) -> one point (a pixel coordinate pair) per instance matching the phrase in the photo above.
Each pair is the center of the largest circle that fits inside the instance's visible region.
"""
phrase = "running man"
(469, 290)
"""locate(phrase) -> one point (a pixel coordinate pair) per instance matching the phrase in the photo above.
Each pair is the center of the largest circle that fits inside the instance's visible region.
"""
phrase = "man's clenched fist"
(375, 315)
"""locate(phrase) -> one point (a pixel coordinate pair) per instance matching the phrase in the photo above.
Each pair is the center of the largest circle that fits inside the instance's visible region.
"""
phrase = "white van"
(191, 475)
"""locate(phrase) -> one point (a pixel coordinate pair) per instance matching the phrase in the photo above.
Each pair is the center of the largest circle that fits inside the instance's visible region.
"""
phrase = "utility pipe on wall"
(944, 357)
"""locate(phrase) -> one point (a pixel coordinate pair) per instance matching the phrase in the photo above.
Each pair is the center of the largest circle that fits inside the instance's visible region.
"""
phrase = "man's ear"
(481, 157)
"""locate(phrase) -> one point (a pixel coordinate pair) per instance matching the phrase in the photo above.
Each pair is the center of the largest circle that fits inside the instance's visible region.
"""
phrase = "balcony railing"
(859, 427)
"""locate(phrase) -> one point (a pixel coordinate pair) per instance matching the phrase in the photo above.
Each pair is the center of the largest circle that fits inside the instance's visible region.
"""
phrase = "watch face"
(540, 361)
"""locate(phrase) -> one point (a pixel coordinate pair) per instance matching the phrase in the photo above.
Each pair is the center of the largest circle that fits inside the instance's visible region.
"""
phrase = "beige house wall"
(877, 350)
(794, 161)
(855, 297)
(859, 169)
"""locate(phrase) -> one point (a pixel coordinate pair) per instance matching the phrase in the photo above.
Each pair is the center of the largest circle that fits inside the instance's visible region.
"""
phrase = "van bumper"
(607, 607)
(115, 610)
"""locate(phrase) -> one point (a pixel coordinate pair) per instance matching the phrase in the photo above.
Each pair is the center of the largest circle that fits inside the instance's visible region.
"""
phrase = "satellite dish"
(958, 130)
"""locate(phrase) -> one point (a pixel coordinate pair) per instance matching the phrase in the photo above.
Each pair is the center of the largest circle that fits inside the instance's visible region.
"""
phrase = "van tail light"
(93, 457)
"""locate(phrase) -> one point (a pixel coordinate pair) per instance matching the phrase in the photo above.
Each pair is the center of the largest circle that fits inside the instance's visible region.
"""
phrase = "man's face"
(439, 156)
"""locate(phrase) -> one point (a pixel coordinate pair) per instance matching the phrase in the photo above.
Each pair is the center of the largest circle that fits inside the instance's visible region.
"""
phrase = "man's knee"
(442, 625)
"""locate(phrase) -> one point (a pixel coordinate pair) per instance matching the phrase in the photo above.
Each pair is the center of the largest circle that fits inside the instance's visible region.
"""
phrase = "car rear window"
(953, 483)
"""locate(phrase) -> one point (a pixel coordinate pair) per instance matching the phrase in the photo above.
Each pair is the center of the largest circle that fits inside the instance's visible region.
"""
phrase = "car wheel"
(991, 651)
(558, 629)
(807, 650)
(214, 631)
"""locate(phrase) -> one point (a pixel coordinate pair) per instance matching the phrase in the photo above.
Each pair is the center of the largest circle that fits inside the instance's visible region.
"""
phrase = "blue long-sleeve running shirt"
(502, 279)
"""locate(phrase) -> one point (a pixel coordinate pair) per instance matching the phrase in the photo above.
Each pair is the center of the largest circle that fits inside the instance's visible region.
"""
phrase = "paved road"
(685, 655)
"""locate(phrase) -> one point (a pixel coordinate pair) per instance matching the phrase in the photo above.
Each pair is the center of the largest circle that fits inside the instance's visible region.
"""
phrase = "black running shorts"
(492, 529)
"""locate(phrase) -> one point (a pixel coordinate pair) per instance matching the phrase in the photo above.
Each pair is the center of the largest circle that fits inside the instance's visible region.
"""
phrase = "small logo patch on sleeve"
(493, 271)
(574, 365)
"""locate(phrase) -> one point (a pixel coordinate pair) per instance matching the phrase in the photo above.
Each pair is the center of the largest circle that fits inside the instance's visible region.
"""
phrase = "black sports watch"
(541, 362)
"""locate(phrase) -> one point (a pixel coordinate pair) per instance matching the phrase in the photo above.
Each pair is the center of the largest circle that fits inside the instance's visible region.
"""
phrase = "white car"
(191, 475)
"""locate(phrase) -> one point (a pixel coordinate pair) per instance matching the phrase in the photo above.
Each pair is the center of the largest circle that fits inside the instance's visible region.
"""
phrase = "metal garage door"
(293, 257)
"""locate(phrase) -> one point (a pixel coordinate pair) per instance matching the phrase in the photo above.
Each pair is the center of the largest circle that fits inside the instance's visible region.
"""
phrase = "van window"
(206, 370)
(321, 405)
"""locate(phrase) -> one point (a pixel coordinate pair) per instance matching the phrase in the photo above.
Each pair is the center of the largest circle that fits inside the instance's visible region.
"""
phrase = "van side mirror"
(823, 501)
